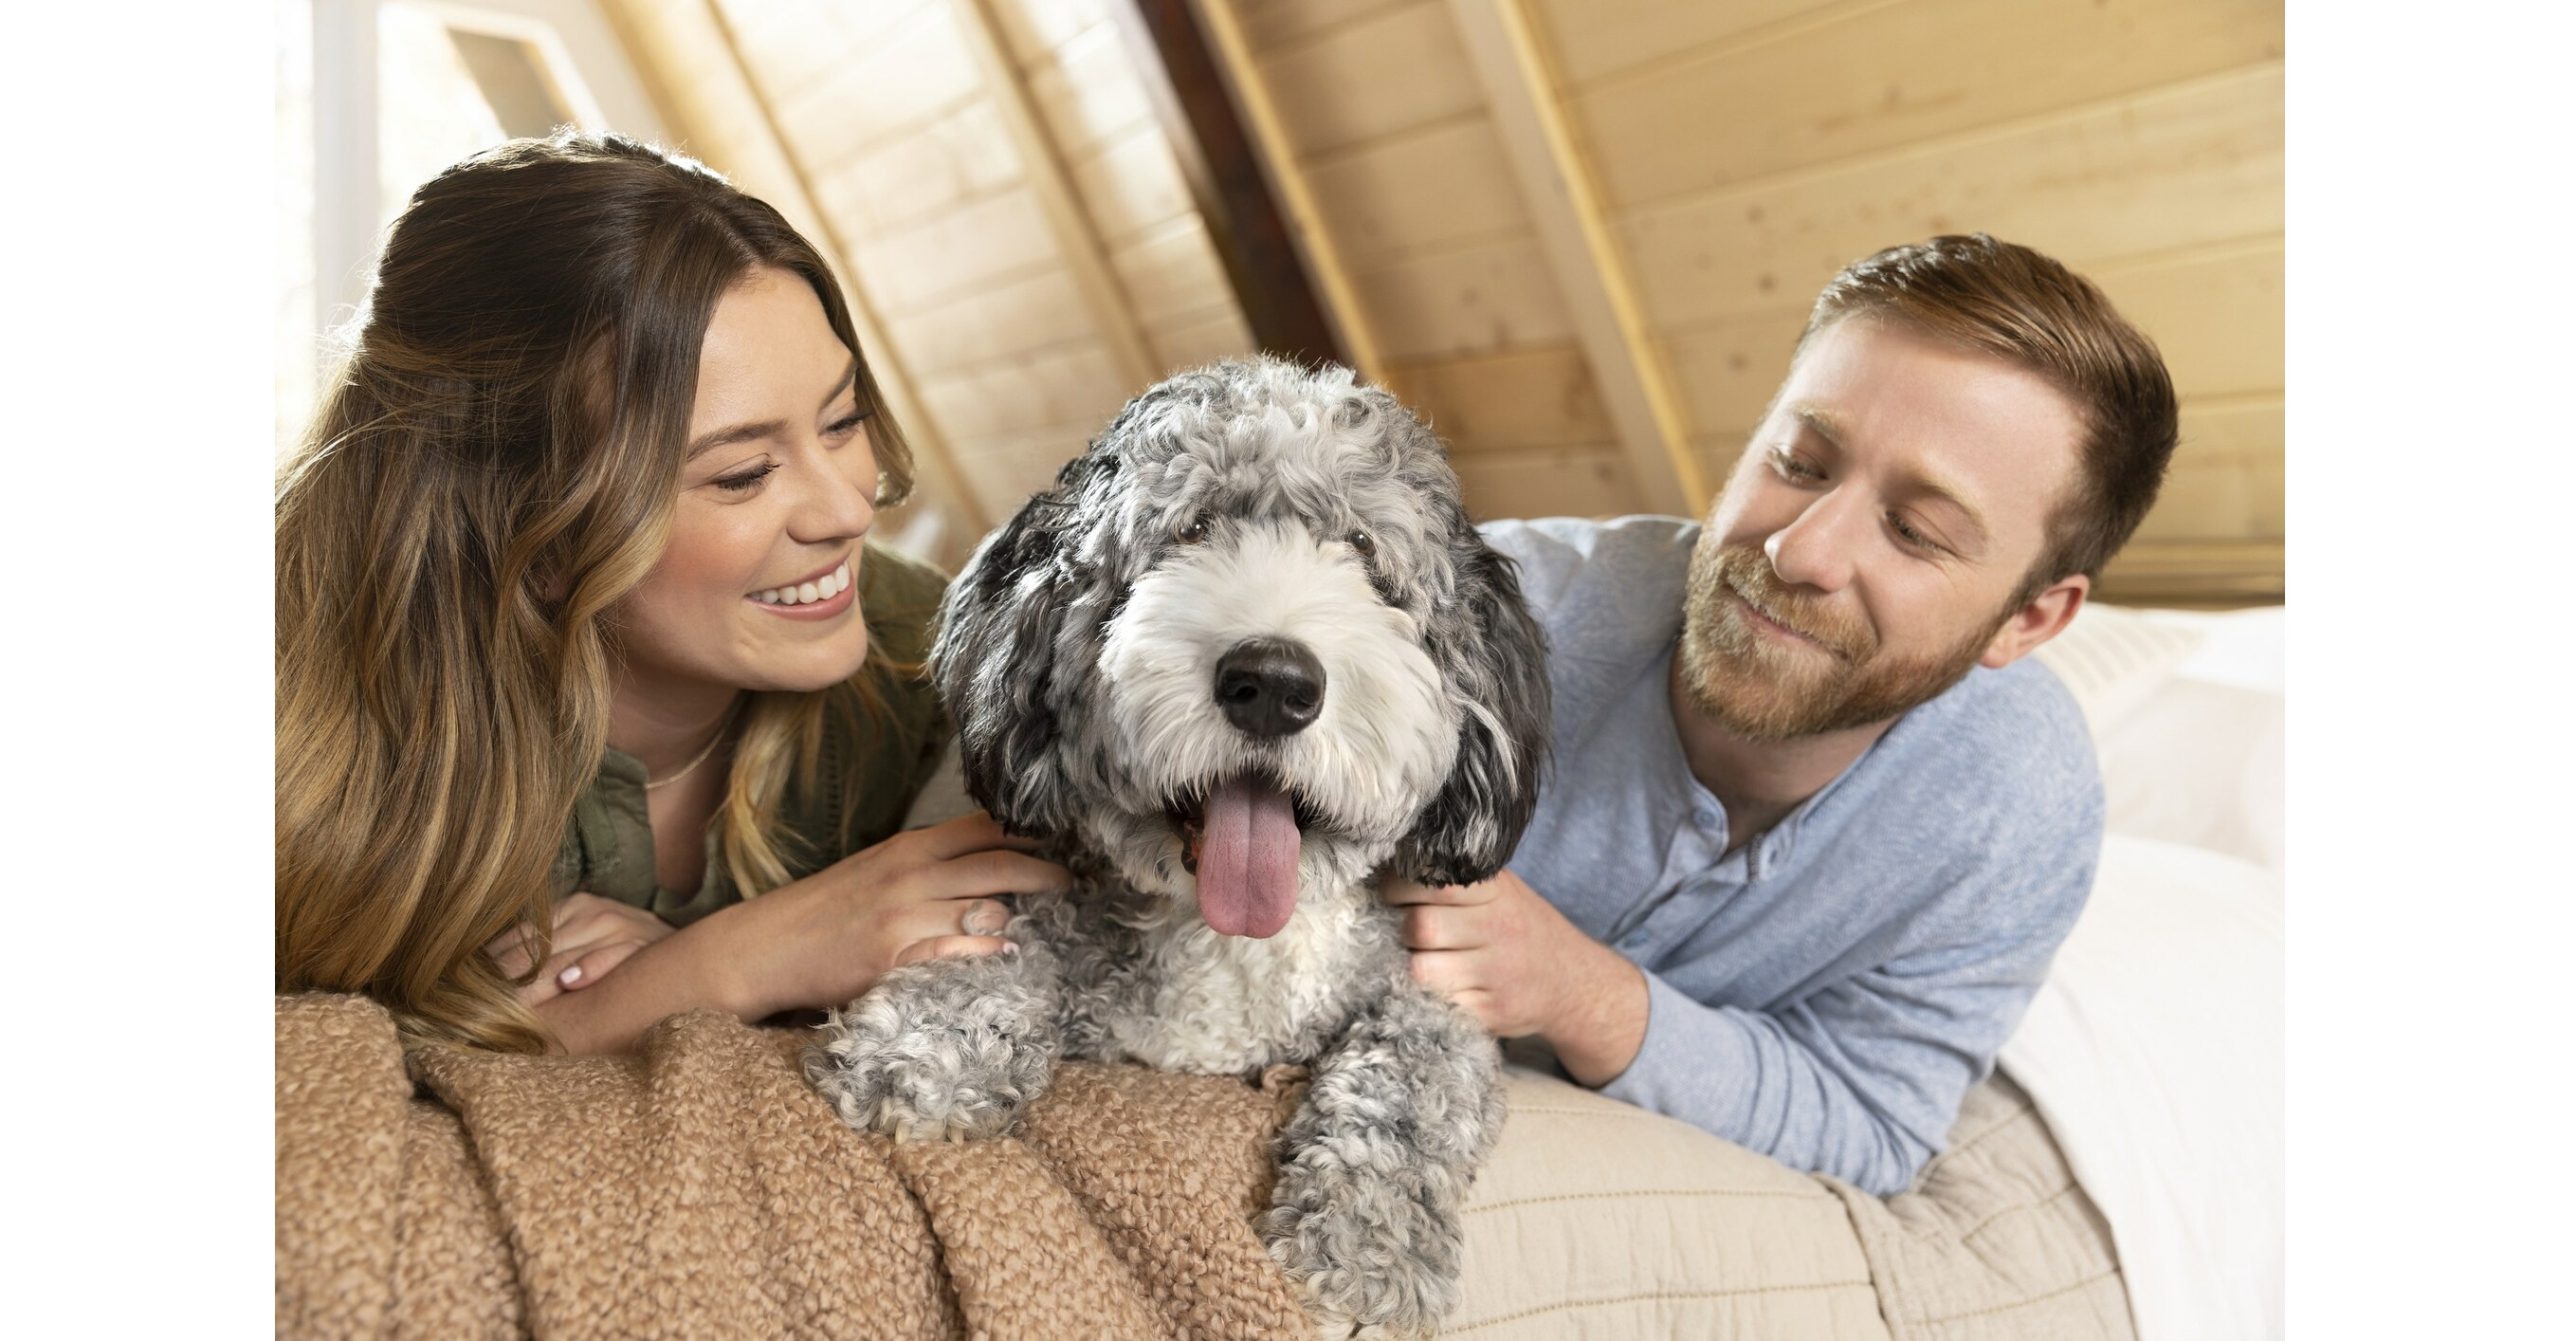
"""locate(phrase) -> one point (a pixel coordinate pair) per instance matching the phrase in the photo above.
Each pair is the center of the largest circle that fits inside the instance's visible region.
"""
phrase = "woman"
(580, 716)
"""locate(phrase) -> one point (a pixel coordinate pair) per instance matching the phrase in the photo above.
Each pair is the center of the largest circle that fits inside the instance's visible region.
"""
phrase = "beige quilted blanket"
(700, 1189)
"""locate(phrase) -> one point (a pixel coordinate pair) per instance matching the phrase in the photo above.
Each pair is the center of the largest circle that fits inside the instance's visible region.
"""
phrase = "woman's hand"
(589, 936)
(923, 894)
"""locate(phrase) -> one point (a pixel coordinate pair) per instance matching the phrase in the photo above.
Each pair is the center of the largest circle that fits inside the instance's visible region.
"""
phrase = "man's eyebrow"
(1827, 428)
(765, 427)
(1930, 487)
(1820, 421)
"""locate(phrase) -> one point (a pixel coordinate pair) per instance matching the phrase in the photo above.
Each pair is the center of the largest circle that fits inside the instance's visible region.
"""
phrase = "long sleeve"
(1828, 990)
(1861, 1079)
(1860, 1082)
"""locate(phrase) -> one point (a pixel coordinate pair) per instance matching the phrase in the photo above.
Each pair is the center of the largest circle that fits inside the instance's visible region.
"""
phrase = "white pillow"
(2200, 762)
(2112, 658)
(2156, 1053)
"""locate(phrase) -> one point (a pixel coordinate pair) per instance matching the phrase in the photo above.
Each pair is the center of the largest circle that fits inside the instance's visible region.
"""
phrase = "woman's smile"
(820, 595)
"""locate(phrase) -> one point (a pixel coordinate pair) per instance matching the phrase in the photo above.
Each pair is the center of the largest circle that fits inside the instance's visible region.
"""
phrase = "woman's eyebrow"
(766, 427)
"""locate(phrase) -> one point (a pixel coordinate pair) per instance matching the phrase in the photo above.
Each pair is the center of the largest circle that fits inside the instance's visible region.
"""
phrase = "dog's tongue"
(1248, 860)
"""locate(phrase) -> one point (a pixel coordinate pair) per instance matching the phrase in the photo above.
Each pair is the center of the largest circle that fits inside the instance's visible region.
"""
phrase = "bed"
(2119, 1175)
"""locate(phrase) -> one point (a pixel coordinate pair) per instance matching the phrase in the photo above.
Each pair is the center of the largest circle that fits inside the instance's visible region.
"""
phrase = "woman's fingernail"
(1011, 948)
(571, 974)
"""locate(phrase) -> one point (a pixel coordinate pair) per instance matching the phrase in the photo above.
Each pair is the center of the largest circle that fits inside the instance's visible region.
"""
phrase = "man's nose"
(1815, 550)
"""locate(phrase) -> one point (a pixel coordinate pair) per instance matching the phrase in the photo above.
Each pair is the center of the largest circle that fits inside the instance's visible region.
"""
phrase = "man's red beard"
(1761, 686)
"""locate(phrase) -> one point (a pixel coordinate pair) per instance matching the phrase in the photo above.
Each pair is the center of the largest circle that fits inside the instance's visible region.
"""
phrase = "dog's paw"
(1366, 1251)
(918, 1071)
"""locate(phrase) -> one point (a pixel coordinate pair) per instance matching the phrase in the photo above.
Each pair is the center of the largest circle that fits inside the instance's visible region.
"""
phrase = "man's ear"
(2035, 625)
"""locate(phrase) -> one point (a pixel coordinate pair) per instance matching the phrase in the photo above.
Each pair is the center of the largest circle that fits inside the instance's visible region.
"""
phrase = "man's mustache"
(1755, 580)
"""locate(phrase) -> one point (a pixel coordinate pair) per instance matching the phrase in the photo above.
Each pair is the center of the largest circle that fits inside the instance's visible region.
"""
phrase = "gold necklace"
(679, 775)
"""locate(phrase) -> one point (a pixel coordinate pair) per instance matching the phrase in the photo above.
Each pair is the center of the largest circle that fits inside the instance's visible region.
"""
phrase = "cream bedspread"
(1598, 1220)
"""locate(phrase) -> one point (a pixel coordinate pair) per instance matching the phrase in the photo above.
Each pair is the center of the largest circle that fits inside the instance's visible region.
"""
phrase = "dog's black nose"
(1270, 686)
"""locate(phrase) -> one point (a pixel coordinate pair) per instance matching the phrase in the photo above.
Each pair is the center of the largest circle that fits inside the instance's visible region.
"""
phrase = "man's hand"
(1508, 957)
(589, 936)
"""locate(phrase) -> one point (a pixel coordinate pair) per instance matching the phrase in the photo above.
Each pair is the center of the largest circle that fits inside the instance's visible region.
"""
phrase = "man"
(1814, 829)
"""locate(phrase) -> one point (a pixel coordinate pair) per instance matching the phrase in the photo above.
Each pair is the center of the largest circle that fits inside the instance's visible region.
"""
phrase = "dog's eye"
(1193, 531)
(1360, 541)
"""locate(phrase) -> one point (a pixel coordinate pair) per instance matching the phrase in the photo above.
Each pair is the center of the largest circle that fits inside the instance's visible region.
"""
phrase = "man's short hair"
(2025, 307)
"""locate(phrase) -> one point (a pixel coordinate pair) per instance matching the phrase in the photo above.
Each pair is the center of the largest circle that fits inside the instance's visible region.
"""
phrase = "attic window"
(374, 97)
(449, 90)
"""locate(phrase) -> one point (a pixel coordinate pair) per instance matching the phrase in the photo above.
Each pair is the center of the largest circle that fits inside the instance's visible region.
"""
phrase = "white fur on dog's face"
(1078, 650)
(1373, 756)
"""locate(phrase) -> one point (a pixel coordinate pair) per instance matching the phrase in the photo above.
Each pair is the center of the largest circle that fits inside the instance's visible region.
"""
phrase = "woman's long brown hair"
(495, 466)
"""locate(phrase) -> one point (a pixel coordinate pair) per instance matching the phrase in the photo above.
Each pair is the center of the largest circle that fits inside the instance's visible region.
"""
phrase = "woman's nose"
(838, 501)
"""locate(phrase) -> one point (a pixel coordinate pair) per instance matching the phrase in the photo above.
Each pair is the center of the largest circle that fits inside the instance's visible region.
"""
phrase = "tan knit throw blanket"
(701, 1189)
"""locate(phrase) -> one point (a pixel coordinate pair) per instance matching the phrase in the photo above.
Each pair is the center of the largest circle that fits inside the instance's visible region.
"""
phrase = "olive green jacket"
(608, 849)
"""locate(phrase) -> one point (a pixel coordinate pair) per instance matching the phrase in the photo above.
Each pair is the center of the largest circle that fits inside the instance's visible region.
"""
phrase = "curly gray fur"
(1245, 500)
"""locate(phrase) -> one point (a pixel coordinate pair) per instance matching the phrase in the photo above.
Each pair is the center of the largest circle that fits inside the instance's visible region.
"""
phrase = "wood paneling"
(1582, 249)
(1480, 299)
(913, 180)
(1041, 30)
(975, 245)
(1901, 74)
(906, 75)
(1595, 39)
(1009, 469)
(2197, 163)
(1559, 482)
(1066, 384)
(1272, 24)
(2217, 315)
(1089, 95)
(2226, 480)
(1742, 152)
(1217, 332)
(1132, 185)
(1033, 312)
(2206, 574)
(1445, 185)
(795, 44)
(1728, 368)
(1378, 76)
(1171, 272)
(1526, 399)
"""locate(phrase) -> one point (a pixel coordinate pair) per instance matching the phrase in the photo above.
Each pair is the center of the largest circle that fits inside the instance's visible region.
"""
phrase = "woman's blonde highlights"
(495, 467)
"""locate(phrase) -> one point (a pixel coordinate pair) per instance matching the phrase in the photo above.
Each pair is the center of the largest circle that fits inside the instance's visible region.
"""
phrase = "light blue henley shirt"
(1827, 992)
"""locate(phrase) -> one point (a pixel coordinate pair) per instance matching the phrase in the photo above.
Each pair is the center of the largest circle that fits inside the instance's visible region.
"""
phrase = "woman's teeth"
(808, 593)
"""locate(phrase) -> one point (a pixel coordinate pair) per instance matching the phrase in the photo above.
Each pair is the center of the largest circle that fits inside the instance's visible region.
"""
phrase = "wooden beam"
(1070, 223)
(1582, 250)
(1226, 44)
(2197, 574)
(652, 31)
(1229, 186)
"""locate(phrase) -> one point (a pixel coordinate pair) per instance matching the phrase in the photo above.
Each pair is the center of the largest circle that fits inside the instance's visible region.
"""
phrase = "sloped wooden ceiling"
(1733, 156)
(1579, 235)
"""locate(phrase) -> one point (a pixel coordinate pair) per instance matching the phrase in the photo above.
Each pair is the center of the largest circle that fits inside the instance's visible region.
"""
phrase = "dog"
(1246, 656)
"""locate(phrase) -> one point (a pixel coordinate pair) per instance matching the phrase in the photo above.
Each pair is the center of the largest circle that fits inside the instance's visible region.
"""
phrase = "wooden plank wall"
(1382, 118)
(1001, 194)
(1744, 150)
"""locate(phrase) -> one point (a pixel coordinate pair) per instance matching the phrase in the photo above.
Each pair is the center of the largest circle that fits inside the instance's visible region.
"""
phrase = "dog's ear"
(1003, 630)
(1493, 657)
